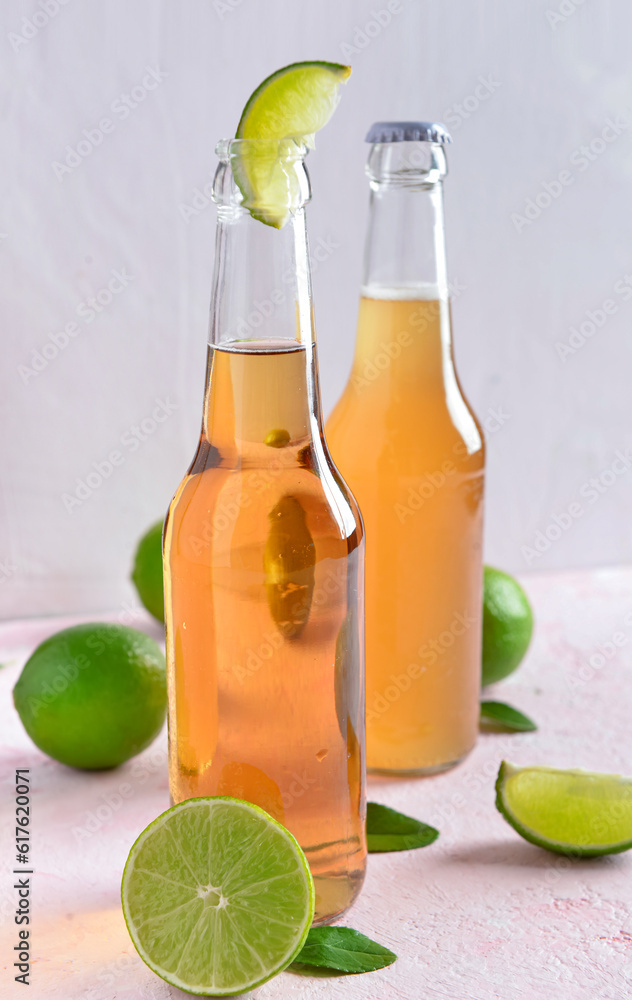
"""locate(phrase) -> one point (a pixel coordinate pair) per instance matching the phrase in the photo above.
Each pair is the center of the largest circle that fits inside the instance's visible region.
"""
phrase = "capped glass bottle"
(264, 556)
(412, 451)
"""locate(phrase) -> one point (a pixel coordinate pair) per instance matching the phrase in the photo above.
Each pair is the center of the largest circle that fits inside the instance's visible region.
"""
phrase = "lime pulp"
(217, 896)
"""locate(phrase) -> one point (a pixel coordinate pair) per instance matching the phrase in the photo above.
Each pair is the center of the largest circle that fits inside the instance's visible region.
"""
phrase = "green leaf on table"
(342, 949)
(497, 714)
(389, 830)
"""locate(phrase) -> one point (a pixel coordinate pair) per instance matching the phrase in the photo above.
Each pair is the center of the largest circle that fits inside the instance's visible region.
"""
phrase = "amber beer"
(264, 577)
(412, 452)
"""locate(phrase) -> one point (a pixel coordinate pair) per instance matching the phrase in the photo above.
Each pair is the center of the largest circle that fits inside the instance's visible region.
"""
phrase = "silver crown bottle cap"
(408, 132)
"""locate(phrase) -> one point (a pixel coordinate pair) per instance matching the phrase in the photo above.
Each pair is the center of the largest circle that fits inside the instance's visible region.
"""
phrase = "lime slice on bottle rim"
(217, 896)
(574, 812)
(286, 110)
(294, 102)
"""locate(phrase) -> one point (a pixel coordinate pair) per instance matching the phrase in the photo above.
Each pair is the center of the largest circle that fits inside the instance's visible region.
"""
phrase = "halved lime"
(285, 110)
(217, 896)
(579, 813)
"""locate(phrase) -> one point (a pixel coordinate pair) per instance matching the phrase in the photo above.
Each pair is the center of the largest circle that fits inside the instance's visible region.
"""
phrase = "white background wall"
(554, 80)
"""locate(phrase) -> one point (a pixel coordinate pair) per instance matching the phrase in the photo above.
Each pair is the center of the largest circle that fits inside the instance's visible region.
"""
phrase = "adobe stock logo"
(87, 311)
(590, 492)
(121, 108)
(130, 441)
(364, 34)
(565, 10)
(31, 26)
(579, 160)
(594, 320)
(460, 111)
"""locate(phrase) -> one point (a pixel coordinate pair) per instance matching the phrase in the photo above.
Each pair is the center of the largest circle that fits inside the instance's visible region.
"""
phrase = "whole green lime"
(93, 696)
(507, 624)
(147, 572)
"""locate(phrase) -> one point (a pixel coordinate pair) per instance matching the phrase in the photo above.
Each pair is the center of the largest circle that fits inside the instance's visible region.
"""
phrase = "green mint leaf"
(496, 713)
(389, 830)
(342, 949)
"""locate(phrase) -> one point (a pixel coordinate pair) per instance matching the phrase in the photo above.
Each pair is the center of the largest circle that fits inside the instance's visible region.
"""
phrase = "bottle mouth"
(289, 150)
(266, 177)
(406, 163)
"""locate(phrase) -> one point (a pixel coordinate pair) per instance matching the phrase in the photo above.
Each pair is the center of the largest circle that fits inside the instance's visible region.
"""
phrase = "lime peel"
(93, 695)
(147, 571)
(507, 625)
(294, 102)
(217, 896)
(281, 117)
(572, 812)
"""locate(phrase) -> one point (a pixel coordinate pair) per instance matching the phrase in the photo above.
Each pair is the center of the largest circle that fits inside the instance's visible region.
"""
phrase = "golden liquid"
(263, 596)
(412, 453)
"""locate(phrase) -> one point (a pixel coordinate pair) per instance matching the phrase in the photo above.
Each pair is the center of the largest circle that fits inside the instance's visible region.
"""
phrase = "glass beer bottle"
(264, 560)
(412, 451)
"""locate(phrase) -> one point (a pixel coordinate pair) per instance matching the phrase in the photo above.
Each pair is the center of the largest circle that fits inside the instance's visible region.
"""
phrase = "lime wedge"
(285, 110)
(294, 102)
(217, 896)
(570, 812)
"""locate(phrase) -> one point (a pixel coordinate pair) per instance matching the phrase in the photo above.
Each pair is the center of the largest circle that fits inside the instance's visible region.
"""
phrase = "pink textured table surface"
(478, 915)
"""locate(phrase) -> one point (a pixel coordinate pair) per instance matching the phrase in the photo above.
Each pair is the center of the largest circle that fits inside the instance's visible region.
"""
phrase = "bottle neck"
(404, 320)
(262, 282)
(262, 393)
(405, 248)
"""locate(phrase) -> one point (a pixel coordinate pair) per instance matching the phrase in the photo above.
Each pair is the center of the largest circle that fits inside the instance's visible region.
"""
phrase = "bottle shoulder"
(422, 428)
(234, 491)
